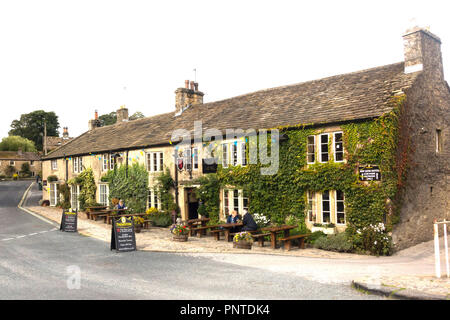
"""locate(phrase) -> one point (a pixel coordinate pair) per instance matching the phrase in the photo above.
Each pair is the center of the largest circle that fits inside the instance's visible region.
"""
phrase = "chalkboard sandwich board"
(122, 235)
(369, 173)
(69, 221)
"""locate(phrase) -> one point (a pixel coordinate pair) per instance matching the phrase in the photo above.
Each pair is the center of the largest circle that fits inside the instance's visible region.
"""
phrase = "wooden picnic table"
(273, 233)
(193, 222)
(105, 213)
(227, 229)
(109, 217)
(97, 207)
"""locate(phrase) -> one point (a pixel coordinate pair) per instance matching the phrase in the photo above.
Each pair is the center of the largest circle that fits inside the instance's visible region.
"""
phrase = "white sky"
(73, 57)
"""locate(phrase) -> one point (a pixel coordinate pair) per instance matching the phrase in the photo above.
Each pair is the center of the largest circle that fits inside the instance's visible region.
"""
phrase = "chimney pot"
(196, 86)
(186, 84)
(192, 85)
(96, 115)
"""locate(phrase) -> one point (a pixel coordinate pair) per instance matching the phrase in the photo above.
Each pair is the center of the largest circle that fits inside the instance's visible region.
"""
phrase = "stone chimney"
(122, 114)
(187, 96)
(423, 52)
(65, 133)
(95, 122)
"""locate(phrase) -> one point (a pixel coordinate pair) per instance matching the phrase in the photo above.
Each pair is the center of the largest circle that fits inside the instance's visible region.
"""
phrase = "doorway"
(192, 203)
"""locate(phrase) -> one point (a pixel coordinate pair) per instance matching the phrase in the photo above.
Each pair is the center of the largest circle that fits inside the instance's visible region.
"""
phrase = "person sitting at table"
(249, 223)
(121, 205)
(233, 218)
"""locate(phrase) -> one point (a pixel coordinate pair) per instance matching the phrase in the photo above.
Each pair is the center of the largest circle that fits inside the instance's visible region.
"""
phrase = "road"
(37, 261)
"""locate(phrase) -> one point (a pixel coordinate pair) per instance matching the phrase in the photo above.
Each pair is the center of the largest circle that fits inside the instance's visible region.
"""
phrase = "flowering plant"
(374, 239)
(151, 211)
(261, 220)
(138, 221)
(179, 229)
(243, 236)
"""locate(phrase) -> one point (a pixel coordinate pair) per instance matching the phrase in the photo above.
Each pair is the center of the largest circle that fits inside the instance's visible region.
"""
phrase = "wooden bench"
(260, 238)
(301, 243)
(216, 233)
(199, 231)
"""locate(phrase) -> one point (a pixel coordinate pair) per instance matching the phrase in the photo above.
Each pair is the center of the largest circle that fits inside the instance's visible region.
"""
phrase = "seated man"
(249, 222)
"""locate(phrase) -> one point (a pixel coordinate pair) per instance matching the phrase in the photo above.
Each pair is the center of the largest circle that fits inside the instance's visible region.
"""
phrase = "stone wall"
(427, 188)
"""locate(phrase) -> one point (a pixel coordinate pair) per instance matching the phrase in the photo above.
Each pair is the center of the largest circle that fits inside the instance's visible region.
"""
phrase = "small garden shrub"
(314, 236)
(160, 219)
(339, 243)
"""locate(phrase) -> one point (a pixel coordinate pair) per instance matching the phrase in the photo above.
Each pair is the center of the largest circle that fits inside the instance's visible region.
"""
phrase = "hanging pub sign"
(180, 164)
(209, 165)
(69, 221)
(369, 173)
(122, 235)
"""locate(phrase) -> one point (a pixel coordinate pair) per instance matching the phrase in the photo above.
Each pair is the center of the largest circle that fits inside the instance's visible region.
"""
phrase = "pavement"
(408, 274)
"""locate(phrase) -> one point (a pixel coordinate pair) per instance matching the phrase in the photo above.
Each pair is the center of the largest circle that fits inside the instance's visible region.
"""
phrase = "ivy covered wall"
(375, 142)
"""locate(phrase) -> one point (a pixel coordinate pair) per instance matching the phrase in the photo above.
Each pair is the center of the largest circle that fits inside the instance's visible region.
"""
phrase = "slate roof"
(56, 142)
(16, 156)
(357, 95)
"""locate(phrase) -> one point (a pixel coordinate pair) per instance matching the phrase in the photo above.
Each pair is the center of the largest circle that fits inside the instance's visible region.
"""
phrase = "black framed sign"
(69, 221)
(122, 234)
(209, 166)
(369, 173)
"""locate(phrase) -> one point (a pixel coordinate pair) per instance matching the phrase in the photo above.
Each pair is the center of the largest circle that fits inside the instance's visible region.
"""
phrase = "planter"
(180, 237)
(242, 245)
(324, 230)
(137, 229)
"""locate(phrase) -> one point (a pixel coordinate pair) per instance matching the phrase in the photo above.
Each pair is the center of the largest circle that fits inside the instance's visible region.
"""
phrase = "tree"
(136, 115)
(31, 126)
(14, 143)
(108, 119)
(111, 118)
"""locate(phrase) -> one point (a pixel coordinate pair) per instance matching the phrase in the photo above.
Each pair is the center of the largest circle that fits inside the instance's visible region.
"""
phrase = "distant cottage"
(355, 150)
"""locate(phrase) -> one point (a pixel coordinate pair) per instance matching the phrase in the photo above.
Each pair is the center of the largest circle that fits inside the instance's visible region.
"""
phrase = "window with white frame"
(321, 143)
(226, 204)
(225, 155)
(12, 163)
(54, 164)
(340, 209)
(311, 206)
(77, 164)
(103, 194)
(74, 193)
(338, 147)
(234, 154)
(155, 161)
(153, 199)
(324, 147)
(243, 154)
(325, 207)
(53, 194)
(195, 158)
(188, 158)
(234, 199)
(105, 162)
(311, 149)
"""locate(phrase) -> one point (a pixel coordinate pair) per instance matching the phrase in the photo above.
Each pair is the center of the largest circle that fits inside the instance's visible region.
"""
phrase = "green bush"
(160, 219)
(314, 236)
(335, 242)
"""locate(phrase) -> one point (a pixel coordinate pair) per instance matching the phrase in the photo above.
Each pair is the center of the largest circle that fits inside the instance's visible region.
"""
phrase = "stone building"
(16, 159)
(327, 114)
(51, 143)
